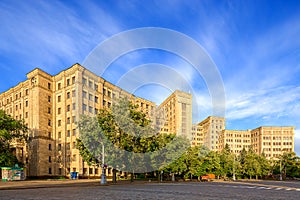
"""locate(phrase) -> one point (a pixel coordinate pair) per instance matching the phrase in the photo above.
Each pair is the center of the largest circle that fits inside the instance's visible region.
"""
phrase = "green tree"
(128, 136)
(11, 130)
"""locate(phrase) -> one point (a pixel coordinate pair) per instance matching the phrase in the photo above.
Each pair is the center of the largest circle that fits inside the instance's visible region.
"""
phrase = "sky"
(255, 46)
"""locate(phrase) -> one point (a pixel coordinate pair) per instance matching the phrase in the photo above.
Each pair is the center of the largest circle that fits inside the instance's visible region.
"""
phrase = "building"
(272, 140)
(51, 105)
(197, 135)
(236, 139)
(177, 112)
(212, 126)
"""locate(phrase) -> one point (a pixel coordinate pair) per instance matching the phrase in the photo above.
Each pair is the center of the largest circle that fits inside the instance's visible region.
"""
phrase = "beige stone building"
(51, 105)
(197, 135)
(270, 140)
(212, 126)
(236, 139)
(177, 112)
(273, 140)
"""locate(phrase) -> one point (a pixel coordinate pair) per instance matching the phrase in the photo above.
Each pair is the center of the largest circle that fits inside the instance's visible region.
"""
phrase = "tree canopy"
(11, 130)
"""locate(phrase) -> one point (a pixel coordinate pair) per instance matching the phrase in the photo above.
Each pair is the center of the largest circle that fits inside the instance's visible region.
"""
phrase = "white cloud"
(297, 141)
(262, 103)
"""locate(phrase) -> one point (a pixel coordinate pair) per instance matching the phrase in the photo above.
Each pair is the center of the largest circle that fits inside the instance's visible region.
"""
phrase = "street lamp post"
(103, 175)
(233, 169)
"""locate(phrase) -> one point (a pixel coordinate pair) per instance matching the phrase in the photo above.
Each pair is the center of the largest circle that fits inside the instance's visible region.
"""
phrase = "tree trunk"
(131, 177)
(114, 175)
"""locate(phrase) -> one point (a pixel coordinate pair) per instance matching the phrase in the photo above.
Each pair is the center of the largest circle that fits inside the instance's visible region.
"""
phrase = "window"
(104, 103)
(49, 134)
(68, 95)
(59, 111)
(49, 86)
(96, 99)
(73, 79)
(90, 84)
(96, 111)
(59, 134)
(49, 99)
(68, 82)
(108, 104)
(90, 109)
(73, 145)
(16, 96)
(84, 81)
(26, 114)
(90, 97)
(74, 119)
(84, 107)
(59, 86)
(26, 92)
(49, 122)
(50, 170)
(96, 87)
(59, 123)
(90, 170)
(49, 110)
(16, 107)
(59, 171)
(68, 108)
(74, 132)
(109, 93)
(68, 120)
(104, 91)
(73, 106)
(59, 98)
(26, 103)
(68, 146)
(73, 93)
(49, 159)
(84, 94)
(68, 133)
(74, 158)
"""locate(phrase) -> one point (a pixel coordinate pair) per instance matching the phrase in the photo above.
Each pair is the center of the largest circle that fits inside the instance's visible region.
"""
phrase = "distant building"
(273, 140)
(177, 111)
(236, 139)
(212, 126)
(270, 140)
(197, 135)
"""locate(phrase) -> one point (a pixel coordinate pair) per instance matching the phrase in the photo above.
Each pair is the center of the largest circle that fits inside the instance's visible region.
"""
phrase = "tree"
(129, 137)
(11, 130)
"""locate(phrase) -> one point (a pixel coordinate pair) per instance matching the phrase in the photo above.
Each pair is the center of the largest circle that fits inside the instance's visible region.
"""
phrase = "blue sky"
(254, 44)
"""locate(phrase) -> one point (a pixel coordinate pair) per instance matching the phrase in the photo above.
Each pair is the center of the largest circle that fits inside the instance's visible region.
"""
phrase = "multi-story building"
(197, 135)
(212, 126)
(272, 140)
(177, 112)
(236, 139)
(51, 105)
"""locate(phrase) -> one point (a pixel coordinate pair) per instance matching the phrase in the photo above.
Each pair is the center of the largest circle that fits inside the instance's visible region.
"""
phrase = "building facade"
(197, 135)
(272, 141)
(51, 106)
(236, 140)
(212, 126)
(177, 113)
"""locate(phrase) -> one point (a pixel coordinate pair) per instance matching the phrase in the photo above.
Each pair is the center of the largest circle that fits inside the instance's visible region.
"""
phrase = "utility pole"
(103, 176)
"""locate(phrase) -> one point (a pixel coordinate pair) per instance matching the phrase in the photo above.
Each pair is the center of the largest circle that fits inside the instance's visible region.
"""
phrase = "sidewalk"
(28, 184)
(32, 184)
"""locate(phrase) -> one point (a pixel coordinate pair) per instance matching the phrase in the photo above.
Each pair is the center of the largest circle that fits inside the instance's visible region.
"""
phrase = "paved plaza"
(143, 190)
